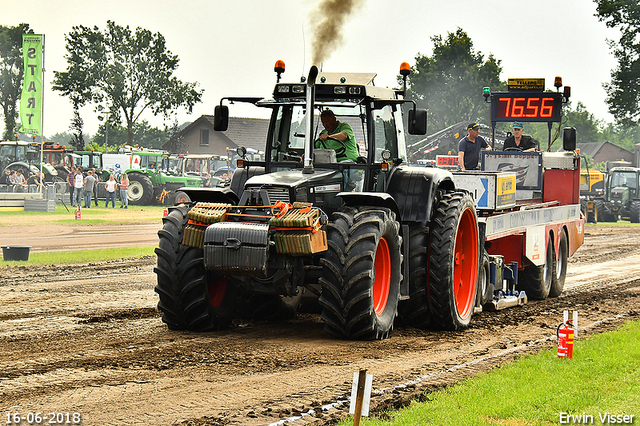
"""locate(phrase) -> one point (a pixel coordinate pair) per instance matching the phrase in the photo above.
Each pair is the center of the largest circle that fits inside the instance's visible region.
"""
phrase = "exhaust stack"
(311, 82)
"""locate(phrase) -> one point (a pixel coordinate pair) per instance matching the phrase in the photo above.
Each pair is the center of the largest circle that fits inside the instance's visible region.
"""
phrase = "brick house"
(606, 151)
(200, 138)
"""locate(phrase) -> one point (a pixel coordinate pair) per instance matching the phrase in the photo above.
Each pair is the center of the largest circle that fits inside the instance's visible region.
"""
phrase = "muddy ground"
(88, 339)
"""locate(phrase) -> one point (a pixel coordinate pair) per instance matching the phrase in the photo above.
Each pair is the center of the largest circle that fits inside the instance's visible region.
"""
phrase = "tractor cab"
(294, 157)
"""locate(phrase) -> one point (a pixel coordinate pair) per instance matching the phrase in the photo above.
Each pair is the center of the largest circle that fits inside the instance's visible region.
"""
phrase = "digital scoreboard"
(526, 106)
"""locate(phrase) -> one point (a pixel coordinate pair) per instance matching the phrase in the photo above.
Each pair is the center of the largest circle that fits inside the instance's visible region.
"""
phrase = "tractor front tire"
(181, 197)
(190, 297)
(634, 212)
(362, 273)
(454, 251)
(140, 190)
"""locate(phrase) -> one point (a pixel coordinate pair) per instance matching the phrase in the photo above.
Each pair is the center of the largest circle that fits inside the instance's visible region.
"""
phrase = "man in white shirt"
(77, 185)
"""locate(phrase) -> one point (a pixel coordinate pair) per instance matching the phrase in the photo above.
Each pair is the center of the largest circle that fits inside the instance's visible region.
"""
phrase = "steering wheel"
(339, 152)
(514, 148)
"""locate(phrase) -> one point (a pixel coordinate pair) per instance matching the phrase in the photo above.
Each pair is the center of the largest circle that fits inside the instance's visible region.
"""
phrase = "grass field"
(602, 380)
(92, 216)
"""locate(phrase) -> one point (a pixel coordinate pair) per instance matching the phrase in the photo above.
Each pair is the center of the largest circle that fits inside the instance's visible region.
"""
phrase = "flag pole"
(42, 124)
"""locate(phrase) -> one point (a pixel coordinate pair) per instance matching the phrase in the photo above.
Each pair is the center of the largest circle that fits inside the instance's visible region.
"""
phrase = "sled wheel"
(536, 280)
(484, 281)
(557, 285)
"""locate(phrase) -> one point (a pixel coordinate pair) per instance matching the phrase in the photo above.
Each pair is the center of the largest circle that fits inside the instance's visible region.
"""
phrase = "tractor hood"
(320, 187)
(293, 178)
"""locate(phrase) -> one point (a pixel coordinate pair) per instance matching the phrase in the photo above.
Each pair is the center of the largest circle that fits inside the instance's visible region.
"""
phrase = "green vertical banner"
(31, 99)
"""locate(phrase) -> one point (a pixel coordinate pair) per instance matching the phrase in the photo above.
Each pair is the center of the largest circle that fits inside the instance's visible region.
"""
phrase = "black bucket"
(15, 252)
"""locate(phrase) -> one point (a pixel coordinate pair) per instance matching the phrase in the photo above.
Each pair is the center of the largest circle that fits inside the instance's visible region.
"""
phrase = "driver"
(337, 130)
(519, 141)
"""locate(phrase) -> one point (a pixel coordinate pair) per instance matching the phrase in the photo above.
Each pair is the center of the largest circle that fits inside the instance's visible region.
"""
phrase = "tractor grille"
(278, 194)
(275, 193)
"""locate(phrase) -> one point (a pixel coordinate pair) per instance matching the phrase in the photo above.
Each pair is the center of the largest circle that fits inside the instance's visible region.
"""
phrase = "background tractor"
(622, 196)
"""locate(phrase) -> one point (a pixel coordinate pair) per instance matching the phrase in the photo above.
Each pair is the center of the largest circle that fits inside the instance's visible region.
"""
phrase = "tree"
(77, 124)
(143, 135)
(449, 83)
(623, 92)
(130, 72)
(11, 74)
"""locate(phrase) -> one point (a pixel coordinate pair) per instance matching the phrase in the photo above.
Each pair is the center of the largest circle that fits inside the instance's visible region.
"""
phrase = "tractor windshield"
(287, 144)
(627, 179)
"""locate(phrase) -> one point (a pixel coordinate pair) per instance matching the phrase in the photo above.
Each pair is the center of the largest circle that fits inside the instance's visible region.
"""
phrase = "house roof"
(242, 131)
(590, 148)
(247, 132)
(593, 148)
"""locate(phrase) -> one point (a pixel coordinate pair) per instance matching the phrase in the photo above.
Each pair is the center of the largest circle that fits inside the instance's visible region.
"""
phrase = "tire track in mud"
(98, 346)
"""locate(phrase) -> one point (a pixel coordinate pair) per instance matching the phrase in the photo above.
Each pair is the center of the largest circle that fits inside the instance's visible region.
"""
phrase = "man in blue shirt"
(470, 146)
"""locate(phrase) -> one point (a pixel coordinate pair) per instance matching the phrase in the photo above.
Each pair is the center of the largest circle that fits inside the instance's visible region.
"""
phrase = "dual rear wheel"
(540, 282)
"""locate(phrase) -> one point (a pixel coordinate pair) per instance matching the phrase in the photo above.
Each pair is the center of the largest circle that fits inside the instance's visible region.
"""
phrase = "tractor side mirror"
(417, 121)
(32, 156)
(220, 118)
(569, 138)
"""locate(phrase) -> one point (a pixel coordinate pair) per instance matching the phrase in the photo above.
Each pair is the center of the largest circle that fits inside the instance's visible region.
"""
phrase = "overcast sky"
(230, 47)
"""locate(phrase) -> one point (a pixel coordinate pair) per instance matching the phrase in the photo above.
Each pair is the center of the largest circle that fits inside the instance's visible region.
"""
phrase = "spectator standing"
(21, 182)
(111, 186)
(12, 181)
(87, 190)
(124, 186)
(35, 182)
(6, 179)
(470, 146)
(71, 179)
(77, 185)
(96, 176)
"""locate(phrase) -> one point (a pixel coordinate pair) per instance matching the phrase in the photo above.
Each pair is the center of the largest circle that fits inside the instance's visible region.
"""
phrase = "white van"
(118, 163)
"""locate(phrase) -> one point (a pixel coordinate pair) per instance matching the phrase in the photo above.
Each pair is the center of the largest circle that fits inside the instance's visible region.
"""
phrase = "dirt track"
(88, 339)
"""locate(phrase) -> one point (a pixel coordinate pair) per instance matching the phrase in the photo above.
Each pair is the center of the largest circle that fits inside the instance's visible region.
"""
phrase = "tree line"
(124, 72)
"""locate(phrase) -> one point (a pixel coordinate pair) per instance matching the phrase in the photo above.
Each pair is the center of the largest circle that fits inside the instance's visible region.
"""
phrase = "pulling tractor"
(363, 241)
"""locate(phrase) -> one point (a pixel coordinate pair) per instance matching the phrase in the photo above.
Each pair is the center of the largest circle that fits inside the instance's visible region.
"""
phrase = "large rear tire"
(190, 297)
(536, 281)
(453, 261)
(362, 273)
(557, 285)
(140, 190)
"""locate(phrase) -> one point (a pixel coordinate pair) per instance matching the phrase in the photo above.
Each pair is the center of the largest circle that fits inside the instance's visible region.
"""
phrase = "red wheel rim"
(382, 282)
(217, 288)
(465, 268)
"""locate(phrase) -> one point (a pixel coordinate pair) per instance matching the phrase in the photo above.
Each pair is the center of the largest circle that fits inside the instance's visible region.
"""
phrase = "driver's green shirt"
(351, 152)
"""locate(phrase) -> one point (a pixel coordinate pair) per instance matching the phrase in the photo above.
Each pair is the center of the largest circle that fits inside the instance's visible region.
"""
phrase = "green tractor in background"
(622, 196)
(25, 156)
(151, 180)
